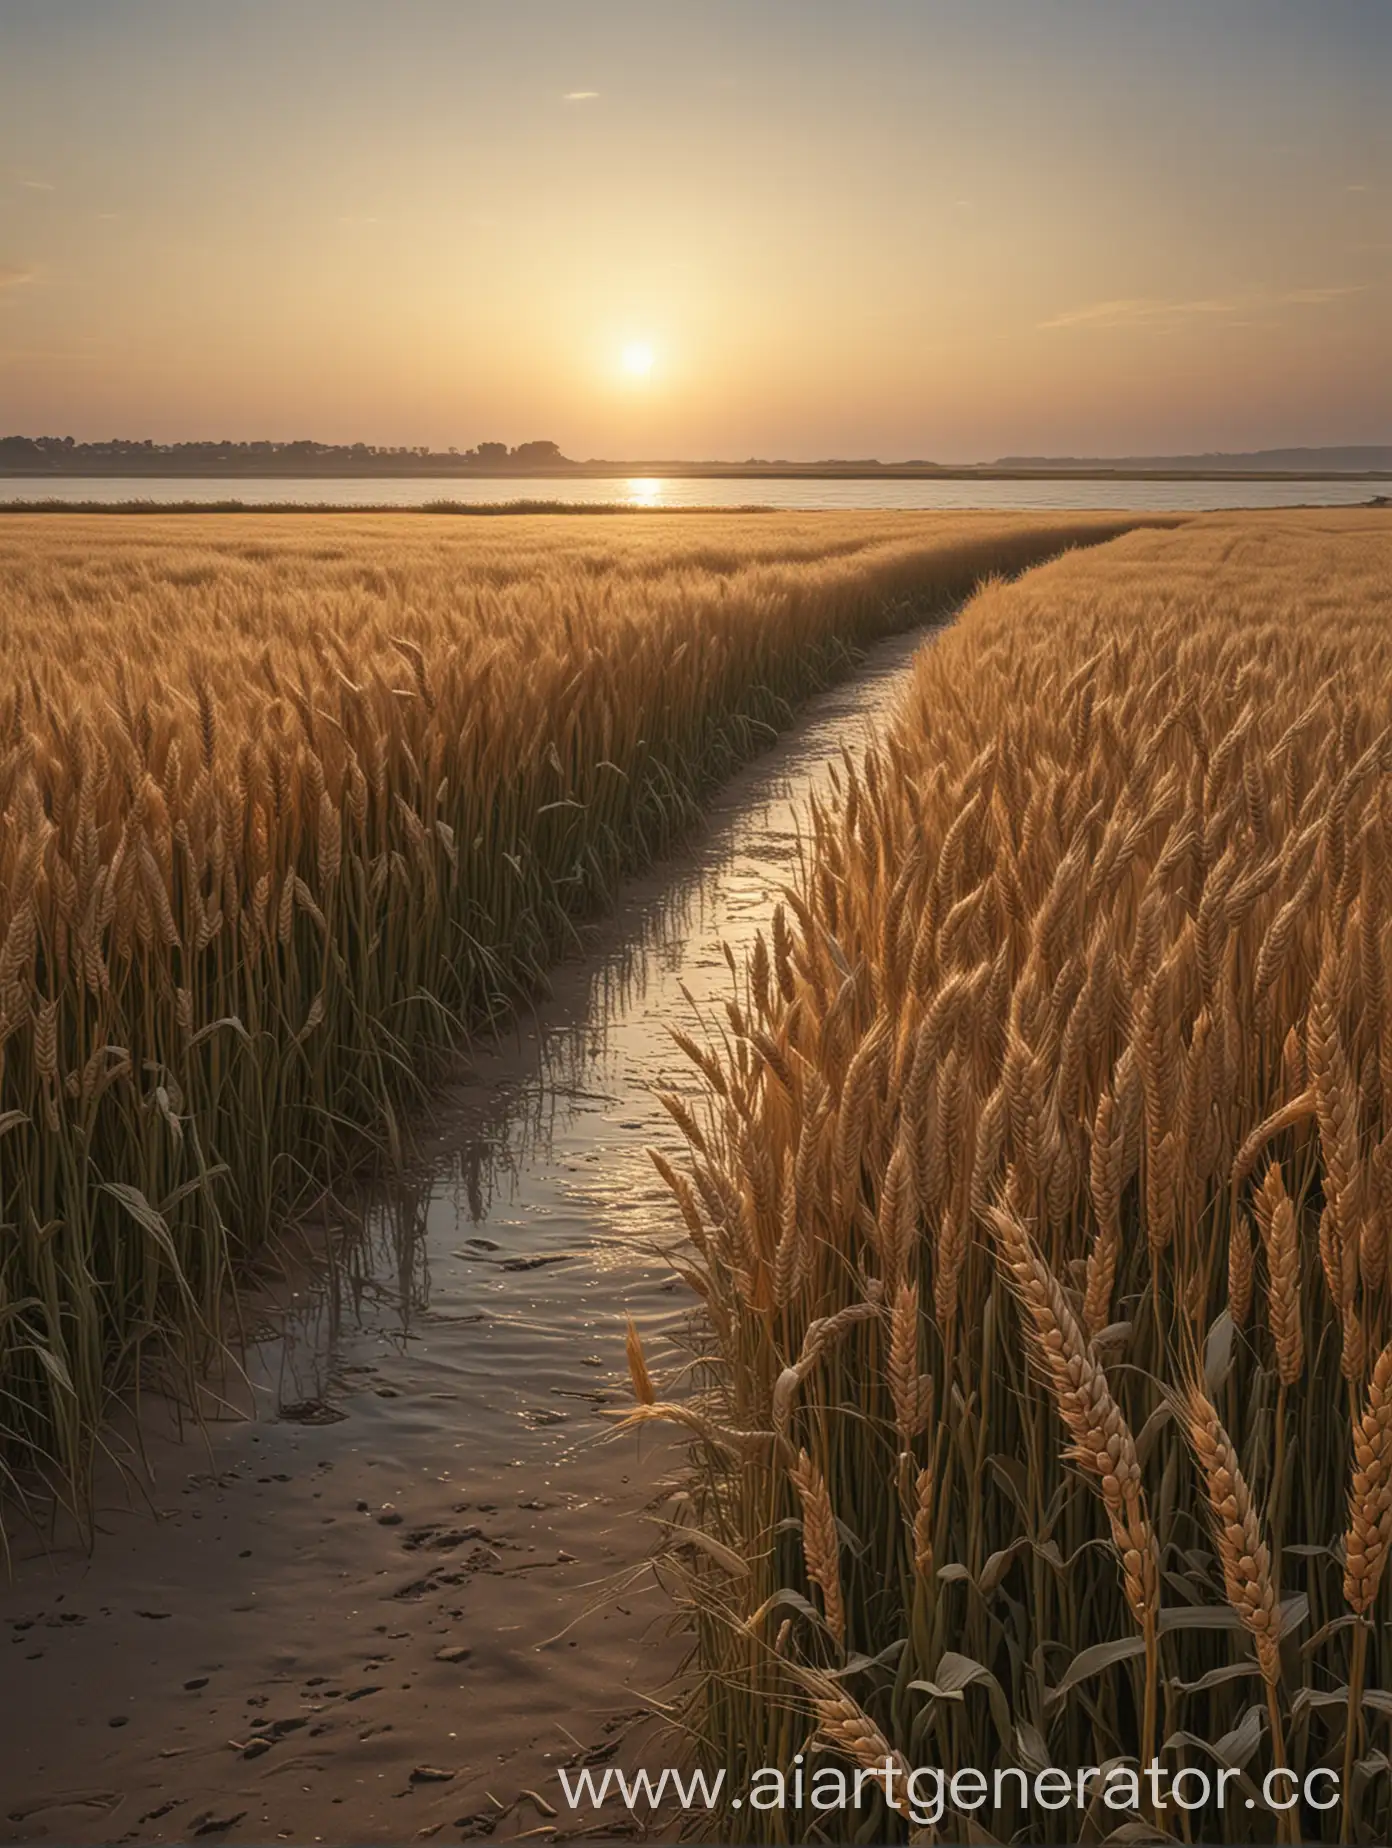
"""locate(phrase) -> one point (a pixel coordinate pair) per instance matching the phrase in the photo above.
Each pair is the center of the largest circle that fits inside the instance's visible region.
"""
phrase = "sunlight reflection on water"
(786, 493)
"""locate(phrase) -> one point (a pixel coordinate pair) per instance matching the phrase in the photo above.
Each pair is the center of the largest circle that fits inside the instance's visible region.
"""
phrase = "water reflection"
(534, 1220)
(785, 493)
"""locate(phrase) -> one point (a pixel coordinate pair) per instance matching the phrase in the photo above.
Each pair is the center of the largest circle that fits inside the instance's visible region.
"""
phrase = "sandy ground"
(299, 1640)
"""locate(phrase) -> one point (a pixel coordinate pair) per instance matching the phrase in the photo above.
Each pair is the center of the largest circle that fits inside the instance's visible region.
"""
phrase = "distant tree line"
(61, 455)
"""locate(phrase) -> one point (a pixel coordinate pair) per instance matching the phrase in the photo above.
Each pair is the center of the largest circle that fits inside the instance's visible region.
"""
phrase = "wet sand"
(392, 1600)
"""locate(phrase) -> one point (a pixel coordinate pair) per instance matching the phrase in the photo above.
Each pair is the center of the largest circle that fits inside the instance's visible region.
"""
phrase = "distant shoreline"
(484, 508)
(505, 509)
(688, 471)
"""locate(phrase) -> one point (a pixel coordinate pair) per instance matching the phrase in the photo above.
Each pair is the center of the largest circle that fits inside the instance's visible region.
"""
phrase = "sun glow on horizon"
(638, 358)
(395, 237)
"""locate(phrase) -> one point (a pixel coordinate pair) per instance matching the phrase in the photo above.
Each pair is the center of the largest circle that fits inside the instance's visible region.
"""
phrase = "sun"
(638, 359)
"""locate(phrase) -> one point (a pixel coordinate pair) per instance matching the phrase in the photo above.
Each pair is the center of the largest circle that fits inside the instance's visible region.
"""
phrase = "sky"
(950, 229)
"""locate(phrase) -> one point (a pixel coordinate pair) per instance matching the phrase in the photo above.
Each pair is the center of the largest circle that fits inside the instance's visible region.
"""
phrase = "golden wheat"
(1086, 966)
(287, 803)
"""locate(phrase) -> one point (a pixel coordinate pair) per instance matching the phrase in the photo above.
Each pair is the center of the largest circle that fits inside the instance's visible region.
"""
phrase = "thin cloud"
(1137, 311)
(13, 277)
(38, 185)
(28, 356)
(580, 96)
(1152, 311)
(1316, 298)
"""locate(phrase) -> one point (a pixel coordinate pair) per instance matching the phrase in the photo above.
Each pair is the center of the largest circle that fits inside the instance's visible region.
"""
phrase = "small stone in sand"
(430, 1774)
(455, 1653)
(215, 1825)
(198, 1681)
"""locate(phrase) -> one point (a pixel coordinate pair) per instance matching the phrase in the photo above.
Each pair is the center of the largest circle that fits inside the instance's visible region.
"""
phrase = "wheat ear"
(1277, 1221)
(846, 1728)
(1369, 1530)
(643, 1390)
(1370, 1494)
(1102, 1439)
(1246, 1563)
(820, 1545)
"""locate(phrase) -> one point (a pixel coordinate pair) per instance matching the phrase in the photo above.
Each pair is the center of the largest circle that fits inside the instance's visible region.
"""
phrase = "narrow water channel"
(390, 1604)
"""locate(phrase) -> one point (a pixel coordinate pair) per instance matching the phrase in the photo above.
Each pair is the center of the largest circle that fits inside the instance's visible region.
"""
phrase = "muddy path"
(389, 1603)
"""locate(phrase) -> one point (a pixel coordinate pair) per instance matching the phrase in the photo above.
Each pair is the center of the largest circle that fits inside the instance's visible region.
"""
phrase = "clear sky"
(783, 228)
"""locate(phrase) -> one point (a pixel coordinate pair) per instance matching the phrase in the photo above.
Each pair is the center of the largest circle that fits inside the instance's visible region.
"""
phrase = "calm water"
(791, 493)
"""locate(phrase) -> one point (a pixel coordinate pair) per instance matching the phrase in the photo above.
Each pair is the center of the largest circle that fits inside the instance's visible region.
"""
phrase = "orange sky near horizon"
(899, 228)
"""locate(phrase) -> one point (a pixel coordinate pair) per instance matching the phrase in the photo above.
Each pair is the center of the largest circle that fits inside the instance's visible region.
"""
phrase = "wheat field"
(1039, 1193)
(289, 803)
